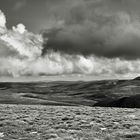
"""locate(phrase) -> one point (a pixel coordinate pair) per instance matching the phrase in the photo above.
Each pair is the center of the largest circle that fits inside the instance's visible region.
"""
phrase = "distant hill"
(107, 93)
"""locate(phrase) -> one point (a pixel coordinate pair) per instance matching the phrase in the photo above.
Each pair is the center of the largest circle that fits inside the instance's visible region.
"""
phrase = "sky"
(38, 14)
(100, 38)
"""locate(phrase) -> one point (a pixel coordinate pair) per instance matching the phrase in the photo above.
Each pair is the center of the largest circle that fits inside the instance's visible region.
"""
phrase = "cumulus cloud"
(2, 22)
(21, 52)
(55, 63)
(20, 28)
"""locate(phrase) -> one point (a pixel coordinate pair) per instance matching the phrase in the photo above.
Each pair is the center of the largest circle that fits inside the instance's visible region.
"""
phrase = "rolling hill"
(107, 93)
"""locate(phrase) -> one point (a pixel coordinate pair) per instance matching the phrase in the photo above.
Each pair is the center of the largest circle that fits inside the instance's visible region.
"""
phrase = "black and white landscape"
(69, 70)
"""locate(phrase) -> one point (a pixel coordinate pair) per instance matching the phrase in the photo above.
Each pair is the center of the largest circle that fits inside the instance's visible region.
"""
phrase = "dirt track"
(24, 122)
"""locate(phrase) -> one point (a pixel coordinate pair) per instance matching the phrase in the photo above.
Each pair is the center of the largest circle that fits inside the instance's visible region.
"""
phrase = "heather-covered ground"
(28, 122)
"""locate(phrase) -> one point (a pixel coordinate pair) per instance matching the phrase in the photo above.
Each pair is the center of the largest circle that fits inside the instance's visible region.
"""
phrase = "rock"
(103, 129)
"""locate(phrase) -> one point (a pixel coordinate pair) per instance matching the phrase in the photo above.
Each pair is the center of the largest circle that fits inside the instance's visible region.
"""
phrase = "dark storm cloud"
(19, 5)
(105, 28)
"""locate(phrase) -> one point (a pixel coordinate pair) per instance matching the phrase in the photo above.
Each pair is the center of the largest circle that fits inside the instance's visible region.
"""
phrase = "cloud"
(20, 28)
(95, 28)
(21, 51)
(55, 63)
(2, 19)
(2, 22)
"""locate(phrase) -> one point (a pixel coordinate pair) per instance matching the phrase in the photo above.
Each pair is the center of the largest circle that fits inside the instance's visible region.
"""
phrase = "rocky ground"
(36, 122)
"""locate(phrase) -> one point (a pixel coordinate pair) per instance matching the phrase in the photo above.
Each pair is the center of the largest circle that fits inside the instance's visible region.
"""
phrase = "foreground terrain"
(70, 110)
(28, 122)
